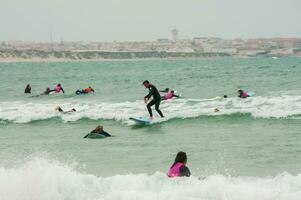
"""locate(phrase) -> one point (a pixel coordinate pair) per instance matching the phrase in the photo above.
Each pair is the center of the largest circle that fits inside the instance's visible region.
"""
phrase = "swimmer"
(169, 94)
(46, 92)
(179, 168)
(225, 96)
(99, 130)
(156, 98)
(88, 90)
(28, 89)
(59, 109)
(85, 91)
(216, 110)
(243, 94)
(58, 88)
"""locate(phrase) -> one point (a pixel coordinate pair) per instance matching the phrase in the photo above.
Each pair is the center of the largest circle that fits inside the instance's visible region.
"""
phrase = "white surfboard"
(141, 120)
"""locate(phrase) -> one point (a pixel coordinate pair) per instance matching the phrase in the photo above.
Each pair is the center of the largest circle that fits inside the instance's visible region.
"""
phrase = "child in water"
(179, 168)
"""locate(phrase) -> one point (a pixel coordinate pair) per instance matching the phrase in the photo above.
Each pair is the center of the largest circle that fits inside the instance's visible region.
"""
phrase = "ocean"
(250, 149)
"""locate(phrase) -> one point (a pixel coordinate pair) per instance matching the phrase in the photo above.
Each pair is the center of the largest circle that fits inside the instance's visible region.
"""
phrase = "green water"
(259, 136)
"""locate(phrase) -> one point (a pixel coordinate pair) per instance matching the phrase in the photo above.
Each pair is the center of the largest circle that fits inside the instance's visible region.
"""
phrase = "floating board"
(95, 136)
(141, 120)
(80, 92)
(251, 94)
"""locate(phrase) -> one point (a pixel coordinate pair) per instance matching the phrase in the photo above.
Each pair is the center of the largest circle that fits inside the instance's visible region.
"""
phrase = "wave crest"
(257, 107)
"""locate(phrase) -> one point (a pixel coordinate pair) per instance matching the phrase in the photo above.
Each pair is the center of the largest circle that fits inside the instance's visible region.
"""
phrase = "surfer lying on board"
(59, 109)
(243, 94)
(99, 130)
(179, 168)
(85, 91)
(58, 88)
(169, 94)
(156, 98)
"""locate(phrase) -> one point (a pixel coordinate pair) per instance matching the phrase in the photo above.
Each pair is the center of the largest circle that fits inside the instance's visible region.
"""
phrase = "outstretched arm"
(62, 90)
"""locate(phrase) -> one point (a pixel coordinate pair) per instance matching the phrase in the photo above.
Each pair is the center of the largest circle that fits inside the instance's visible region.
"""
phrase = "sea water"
(250, 149)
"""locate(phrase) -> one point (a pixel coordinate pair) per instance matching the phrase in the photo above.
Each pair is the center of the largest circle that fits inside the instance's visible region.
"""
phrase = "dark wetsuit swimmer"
(28, 89)
(153, 91)
(99, 130)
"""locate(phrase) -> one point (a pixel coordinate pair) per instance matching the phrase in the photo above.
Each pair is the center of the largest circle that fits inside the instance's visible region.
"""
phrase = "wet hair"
(98, 128)
(59, 85)
(146, 81)
(172, 91)
(225, 96)
(181, 157)
(240, 91)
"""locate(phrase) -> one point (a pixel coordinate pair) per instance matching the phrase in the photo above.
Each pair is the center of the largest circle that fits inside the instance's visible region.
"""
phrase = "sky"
(146, 20)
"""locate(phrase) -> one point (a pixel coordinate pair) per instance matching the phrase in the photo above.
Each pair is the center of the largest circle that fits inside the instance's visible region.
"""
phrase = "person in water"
(28, 89)
(59, 109)
(153, 92)
(46, 92)
(85, 91)
(99, 130)
(58, 88)
(169, 95)
(179, 167)
(243, 94)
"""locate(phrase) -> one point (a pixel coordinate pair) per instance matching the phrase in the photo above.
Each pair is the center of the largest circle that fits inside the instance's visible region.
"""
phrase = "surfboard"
(94, 136)
(141, 120)
(251, 93)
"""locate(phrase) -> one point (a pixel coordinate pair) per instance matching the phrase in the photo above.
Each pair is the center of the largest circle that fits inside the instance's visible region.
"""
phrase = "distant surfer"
(153, 91)
(169, 94)
(99, 130)
(59, 109)
(46, 92)
(27, 89)
(179, 167)
(57, 89)
(85, 91)
(243, 94)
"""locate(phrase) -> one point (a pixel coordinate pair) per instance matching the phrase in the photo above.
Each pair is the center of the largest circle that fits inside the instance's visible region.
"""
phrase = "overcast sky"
(140, 20)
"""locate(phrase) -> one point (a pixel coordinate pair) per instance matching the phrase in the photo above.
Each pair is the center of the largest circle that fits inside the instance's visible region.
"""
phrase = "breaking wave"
(257, 107)
(45, 179)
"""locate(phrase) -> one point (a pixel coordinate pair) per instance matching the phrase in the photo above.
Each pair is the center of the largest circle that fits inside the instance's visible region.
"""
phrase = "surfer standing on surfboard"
(153, 91)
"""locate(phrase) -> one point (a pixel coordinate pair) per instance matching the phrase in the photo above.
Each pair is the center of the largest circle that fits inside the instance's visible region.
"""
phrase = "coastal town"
(161, 48)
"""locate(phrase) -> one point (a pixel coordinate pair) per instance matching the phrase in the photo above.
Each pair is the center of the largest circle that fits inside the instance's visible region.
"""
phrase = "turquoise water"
(251, 149)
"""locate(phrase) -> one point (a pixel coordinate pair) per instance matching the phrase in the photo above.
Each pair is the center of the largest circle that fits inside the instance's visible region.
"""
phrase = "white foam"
(48, 180)
(262, 107)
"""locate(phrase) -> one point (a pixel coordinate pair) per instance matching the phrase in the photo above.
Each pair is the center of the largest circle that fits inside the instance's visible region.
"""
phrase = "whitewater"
(258, 107)
(249, 149)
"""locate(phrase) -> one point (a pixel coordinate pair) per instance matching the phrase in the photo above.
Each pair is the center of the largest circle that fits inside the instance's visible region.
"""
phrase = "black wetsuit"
(27, 89)
(102, 133)
(184, 171)
(155, 101)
